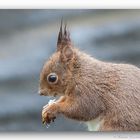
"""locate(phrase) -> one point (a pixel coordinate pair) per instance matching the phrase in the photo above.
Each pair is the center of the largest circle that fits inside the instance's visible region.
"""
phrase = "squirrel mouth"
(45, 93)
(55, 94)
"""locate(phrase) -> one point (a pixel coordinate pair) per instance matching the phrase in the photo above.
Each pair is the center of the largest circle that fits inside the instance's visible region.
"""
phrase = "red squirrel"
(106, 96)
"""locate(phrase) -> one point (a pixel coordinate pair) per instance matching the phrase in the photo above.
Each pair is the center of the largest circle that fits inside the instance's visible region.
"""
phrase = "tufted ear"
(63, 38)
(60, 36)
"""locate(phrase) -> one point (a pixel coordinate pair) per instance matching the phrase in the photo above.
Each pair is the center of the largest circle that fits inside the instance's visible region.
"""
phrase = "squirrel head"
(57, 74)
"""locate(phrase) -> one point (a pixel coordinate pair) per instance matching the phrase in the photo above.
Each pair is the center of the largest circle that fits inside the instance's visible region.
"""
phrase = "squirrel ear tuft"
(60, 35)
(63, 37)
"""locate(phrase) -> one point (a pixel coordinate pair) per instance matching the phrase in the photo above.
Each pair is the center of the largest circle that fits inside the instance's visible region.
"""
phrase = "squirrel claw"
(48, 121)
(47, 117)
(49, 113)
(43, 122)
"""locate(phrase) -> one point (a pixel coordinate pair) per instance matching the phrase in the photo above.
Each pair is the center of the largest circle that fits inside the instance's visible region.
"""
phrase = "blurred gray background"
(28, 38)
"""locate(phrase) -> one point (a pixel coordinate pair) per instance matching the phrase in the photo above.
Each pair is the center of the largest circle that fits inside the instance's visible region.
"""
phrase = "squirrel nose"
(40, 93)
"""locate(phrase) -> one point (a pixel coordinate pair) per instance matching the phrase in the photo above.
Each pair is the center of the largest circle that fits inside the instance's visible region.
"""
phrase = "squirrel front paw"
(49, 113)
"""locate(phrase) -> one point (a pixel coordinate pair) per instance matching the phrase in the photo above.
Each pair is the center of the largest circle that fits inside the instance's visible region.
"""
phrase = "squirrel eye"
(52, 78)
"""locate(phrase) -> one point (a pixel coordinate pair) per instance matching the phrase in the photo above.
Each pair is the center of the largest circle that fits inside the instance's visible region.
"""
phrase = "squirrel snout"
(40, 93)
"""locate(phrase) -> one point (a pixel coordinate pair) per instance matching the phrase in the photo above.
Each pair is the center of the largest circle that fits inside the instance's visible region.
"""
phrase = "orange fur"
(91, 88)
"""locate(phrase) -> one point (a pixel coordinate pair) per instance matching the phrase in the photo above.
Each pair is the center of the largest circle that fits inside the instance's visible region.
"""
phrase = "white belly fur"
(94, 125)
